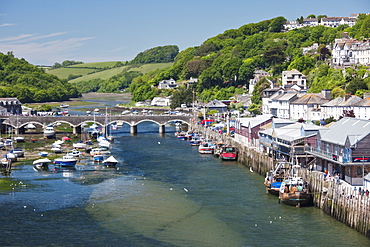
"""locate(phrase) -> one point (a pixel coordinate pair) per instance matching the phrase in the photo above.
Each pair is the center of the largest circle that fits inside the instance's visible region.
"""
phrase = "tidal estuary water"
(163, 193)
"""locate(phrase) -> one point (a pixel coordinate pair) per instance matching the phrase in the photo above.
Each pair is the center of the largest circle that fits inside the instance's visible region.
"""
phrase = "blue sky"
(47, 31)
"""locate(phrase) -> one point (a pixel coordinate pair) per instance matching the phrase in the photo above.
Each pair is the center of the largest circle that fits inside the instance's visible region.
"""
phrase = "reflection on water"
(162, 193)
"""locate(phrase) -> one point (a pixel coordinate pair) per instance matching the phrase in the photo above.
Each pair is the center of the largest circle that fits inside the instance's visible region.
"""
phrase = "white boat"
(17, 152)
(30, 126)
(2, 145)
(8, 143)
(64, 106)
(96, 110)
(49, 131)
(206, 148)
(43, 154)
(56, 149)
(111, 161)
(79, 145)
(42, 163)
(74, 153)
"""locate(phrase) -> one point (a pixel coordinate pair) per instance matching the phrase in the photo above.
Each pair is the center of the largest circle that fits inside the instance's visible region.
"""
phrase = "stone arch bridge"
(20, 122)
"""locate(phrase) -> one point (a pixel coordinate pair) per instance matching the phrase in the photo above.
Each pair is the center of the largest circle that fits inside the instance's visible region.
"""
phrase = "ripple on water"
(155, 210)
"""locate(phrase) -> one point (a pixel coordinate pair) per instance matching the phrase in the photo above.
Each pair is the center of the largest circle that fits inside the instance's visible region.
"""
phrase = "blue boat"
(98, 158)
(65, 161)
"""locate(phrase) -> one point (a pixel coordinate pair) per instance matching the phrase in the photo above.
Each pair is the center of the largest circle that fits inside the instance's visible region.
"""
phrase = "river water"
(162, 193)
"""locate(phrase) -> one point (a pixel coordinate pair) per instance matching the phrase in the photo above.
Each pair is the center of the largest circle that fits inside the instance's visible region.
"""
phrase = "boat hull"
(296, 198)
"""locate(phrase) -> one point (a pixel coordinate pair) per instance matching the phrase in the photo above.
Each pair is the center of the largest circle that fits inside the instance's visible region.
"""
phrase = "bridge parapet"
(76, 121)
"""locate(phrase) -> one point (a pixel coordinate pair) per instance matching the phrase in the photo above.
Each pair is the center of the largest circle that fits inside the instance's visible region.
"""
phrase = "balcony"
(328, 156)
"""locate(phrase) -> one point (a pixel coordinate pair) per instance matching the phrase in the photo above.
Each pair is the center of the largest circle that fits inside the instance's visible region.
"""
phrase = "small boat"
(49, 131)
(43, 154)
(228, 153)
(294, 190)
(19, 139)
(8, 143)
(65, 161)
(111, 161)
(114, 126)
(79, 145)
(275, 177)
(96, 110)
(56, 150)
(17, 152)
(64, 106)
(206, 148)
(88, 112)
(98, 157)
(42, 164)
(74, 153)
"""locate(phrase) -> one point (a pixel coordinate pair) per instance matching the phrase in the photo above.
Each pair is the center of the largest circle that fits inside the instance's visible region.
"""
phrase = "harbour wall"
(335, 197)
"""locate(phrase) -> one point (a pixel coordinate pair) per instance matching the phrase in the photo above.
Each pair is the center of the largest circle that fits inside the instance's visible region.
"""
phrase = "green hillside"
(87, 70)
(81, 69)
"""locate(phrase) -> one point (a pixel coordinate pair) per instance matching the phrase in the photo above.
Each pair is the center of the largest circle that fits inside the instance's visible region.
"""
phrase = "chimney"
(347, 96)
(366, 95)
(326, 93)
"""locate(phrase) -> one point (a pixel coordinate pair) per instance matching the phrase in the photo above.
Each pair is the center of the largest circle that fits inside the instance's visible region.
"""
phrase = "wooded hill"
(227, 61)
(29, 84)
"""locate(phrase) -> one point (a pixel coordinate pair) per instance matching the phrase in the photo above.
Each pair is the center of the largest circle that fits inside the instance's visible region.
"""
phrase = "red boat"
(229, 153)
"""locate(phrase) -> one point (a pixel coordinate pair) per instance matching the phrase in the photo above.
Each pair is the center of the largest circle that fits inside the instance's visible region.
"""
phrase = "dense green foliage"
(230, 59)
(160, 54)
(28, 83)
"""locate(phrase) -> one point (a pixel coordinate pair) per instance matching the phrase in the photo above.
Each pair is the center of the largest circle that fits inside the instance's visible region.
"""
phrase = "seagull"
(186, 190)
(159, 142)
(250, 169)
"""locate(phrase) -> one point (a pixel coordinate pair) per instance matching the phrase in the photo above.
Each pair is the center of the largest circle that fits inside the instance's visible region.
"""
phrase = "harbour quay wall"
(335, 197)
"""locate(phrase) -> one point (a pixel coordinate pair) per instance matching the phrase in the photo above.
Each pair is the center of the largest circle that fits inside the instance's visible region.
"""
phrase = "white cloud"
(7, 24)
(48, 51)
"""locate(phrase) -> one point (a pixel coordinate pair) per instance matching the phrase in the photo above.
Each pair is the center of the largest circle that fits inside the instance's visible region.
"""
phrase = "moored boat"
(79, 145)
(294, 191)
(274, 177)
(65, 161)
(42, 164)
(17, 152)
(19, 139)
(98, 157)
(43, 154)
(228, 153)
(111, 161)
(49, 131)
(206, 148)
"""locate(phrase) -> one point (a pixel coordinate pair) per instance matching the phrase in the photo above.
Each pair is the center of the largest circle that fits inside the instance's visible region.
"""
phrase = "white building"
(293, 76)
(336, 107)
(161, 101)
(258, 75)
(308, 106)
(167, 84)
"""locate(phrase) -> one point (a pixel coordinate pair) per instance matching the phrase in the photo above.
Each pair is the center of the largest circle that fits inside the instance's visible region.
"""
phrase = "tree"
(181, 96)
(311, 16)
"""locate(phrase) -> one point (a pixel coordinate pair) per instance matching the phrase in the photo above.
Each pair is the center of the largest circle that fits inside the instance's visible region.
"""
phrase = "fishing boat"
(49, 131)
(111, 161)
(294, 190)
(228, 153)
(42, 164)
(275, 177)
(65, 161)
(206, 148)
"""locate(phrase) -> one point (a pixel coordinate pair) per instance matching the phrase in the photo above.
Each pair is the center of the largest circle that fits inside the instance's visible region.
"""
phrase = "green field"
(86, 68)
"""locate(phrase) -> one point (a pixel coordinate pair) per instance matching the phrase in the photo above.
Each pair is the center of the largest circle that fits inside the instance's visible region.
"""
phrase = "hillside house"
(167, 84)
(257, 76)
(216, 105)
(291, 77)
